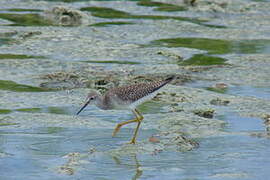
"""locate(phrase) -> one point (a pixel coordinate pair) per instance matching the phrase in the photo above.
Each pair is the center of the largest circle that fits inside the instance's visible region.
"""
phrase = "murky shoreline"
(212, 122)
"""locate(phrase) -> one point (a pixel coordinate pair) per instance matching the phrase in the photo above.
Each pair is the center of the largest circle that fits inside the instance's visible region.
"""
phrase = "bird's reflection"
(267, 125)
(268, 131)
(138, 172)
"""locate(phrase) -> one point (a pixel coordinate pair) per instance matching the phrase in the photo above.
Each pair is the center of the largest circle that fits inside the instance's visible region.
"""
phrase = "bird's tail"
(169, 79)
(156, 85)
(164, 82)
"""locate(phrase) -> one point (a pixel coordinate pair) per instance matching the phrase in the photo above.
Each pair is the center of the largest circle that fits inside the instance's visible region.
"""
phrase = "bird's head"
(91, 99)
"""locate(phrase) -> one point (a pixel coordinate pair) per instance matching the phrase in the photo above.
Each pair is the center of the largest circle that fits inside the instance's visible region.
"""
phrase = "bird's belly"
(134, 104)
(120, 105)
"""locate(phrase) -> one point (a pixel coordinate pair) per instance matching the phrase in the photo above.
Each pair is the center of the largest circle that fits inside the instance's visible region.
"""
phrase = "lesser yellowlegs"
(126, 97)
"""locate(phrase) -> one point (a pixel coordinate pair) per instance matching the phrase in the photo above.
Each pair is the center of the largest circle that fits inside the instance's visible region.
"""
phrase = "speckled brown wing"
(135, 92)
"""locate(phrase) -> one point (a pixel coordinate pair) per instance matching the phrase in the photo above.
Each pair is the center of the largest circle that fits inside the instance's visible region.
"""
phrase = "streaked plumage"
(133, 95)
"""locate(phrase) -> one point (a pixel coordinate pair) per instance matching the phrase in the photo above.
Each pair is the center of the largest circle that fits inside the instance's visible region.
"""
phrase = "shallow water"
(259, 92)
(244, 91)
(39, 151)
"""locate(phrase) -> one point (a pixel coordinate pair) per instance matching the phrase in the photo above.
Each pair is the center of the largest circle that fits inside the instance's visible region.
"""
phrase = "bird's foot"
(133, 141)
(115, 131)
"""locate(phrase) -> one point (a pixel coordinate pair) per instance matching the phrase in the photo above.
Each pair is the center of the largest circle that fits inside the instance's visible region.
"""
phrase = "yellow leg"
(118, 126)
(139, 120)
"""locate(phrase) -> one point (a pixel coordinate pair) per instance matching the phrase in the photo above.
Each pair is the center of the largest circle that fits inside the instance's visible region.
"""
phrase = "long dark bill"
(83, 107)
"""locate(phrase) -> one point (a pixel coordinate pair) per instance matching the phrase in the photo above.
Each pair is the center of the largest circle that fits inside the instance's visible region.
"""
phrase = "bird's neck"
(100, 103)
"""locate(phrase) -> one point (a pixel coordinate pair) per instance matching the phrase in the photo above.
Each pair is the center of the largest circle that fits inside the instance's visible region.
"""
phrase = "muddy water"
(211, 123)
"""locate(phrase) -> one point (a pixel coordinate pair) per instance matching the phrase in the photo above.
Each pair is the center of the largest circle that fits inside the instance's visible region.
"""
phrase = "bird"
(128, 98)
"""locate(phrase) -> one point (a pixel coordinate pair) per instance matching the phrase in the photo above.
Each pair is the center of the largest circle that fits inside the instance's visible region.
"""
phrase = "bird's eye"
(91, 98)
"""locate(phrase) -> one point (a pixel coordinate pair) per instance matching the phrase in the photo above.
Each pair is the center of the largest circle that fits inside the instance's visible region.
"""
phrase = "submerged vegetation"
(51, 110)
(217, 90)
(159, 6)
(212, 46)
(24, 10)
(102, 24)
(113, 62)
(26, 19)
(5, 111)
(6, 41)
(110, 13)
(13, 86)
(18, 56)
(203, 60)
(215, 46)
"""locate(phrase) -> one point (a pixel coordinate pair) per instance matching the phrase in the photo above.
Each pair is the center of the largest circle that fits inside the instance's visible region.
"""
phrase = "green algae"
(217, 90)
(159, 6)
(6, 38)
(24, 10)
(2, 121)
(103, 12)
(5, 111)
(26, 19)
(113, 62)
(31, 110)
(50, 109)
(251, 46)
(6, 41)
(203, 60)
(56, 110)
(215, 46)
(103, 24)
(18, 56)
(7, 124)
(13, 86)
